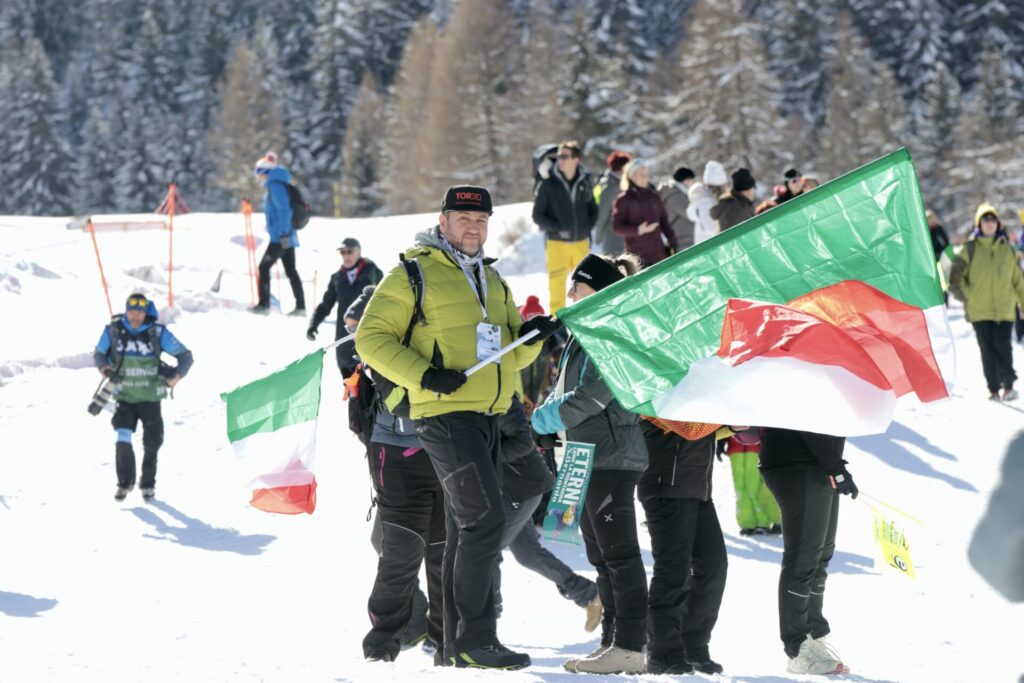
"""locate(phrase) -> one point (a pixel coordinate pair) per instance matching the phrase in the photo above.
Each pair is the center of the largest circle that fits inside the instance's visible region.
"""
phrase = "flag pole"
(340, 342)
(490, 359)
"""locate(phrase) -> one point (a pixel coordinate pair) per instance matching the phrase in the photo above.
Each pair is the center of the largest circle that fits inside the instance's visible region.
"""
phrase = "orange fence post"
(170, 258)
(250, 248)
(99, 262)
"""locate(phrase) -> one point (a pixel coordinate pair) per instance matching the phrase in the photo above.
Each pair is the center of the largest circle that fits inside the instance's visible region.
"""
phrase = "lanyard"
(481, 290)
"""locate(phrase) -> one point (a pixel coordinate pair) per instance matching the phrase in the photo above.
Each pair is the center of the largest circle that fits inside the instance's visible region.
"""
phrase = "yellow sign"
(893, 542)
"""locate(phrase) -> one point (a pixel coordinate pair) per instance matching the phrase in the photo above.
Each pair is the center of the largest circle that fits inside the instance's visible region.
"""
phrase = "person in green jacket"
(466, 313)
(988, 280)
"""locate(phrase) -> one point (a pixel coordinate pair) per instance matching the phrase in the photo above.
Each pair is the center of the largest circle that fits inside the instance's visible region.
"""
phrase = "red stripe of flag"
(849, 324)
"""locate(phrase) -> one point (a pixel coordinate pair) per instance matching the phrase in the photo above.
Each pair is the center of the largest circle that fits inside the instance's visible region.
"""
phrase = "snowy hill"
(198, 586)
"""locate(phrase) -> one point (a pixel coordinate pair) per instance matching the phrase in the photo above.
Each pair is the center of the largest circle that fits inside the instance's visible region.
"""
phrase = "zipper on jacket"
(675, 461)
(711, 466)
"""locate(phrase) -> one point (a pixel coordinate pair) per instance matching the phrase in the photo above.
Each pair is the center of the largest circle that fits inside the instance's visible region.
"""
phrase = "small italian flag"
(272, 427)
(815, 315)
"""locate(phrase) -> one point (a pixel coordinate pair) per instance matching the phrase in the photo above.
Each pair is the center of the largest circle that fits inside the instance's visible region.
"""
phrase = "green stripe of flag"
(645, 332)
(287, 397)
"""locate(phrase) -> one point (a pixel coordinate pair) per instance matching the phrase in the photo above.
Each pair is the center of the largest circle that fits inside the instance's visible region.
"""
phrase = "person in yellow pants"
(562, 257)
(565, 210)
(757, 512)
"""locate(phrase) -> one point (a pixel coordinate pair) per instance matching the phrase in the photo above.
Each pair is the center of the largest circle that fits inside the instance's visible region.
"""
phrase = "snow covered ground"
(198, 586)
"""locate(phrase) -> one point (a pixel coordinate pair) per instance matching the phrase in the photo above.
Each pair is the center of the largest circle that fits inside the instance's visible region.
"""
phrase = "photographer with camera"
(128, 356)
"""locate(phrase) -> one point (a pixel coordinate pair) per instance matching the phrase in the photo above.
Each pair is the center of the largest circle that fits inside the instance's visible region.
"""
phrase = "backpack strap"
(415, 275)
(155, 331)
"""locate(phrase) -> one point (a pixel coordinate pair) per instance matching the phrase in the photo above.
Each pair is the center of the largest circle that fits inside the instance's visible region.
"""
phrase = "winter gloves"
(442, 380)
(311, 333)
(842, 481)
(547, 325)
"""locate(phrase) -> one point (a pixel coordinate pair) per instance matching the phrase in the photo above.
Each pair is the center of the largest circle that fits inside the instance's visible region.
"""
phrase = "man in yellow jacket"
(467, 314)
(988, 279)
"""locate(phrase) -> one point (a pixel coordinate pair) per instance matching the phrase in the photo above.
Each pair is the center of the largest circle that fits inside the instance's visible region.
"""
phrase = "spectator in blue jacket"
(128, 353)
(283, 236)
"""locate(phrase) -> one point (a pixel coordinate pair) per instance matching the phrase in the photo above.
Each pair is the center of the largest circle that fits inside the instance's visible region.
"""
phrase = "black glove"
(547, 325)
(842, 481)
(311, 334)
(442, 380)
(545, 441)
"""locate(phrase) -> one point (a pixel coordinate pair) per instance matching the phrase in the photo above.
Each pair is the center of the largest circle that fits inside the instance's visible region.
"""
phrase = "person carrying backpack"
(468, 314)
(987, 279)
(128, 353)
(277, 207)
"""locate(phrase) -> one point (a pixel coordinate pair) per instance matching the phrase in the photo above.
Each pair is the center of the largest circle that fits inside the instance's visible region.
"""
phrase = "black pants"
(465, 450)
(287, 256)
(126, 416)
(690, 565)
(608, 524)
(995, 341)
(810, 514)
(411, 513)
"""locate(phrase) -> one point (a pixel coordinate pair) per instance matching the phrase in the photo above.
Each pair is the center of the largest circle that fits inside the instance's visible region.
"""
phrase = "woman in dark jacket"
(639, 215)
(690, 561)
(583, 409)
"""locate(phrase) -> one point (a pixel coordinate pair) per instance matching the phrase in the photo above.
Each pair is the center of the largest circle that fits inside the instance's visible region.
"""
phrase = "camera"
(107, 388)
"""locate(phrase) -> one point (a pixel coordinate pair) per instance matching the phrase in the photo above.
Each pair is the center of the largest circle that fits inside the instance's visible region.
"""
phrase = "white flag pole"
(340, 341)
(502, 352)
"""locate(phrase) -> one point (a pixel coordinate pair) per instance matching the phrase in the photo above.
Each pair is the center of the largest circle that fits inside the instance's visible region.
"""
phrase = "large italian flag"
(815, 315)
(272, 428)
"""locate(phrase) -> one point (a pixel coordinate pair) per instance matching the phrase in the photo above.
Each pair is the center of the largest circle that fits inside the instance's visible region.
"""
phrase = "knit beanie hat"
(714, 174)
(531, 308)
(596, 272)
(265, 163)
(742, 180)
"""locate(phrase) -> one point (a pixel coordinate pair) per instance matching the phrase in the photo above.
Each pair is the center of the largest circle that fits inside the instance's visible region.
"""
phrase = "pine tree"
(866, 117)
(935, 135)
(798, 45)
(726, 108)
(467, 125)
(989, 144)
(409, 185)
(247, 124)
(984, 25)
(362, 193)
(95, 166)
(38, 160)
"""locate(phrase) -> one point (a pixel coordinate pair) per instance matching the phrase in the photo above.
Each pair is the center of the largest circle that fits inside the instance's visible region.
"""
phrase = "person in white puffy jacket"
(703, 196)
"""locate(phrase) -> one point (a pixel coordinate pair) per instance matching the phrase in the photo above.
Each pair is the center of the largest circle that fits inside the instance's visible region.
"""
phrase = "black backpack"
(385, 387)
(300, 208)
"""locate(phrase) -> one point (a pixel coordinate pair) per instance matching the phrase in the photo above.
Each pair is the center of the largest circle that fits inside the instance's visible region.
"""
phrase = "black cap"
(791, 174)
(349, 243)
(742, 180)
(682, 174)
(467, 198)
(596, 272)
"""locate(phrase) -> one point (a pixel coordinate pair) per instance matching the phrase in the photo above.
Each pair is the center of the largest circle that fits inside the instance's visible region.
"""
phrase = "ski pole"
(894, 509)
(502, 352)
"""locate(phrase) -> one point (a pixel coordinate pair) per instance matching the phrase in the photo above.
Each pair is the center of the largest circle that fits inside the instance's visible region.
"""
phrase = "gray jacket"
(592, 415)
(676, 203)
(393, 431)
(610, 243)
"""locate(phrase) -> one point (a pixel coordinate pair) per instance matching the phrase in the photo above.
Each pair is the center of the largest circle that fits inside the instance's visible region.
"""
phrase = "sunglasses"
(566, 156)
(138, 302)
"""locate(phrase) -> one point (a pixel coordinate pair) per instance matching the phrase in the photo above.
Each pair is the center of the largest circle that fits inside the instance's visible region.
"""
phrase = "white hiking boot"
(593, 609)
(810, 660)
(614, 660)
(570, 664)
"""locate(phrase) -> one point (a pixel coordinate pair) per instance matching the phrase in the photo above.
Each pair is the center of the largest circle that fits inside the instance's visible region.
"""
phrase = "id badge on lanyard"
(488, 341)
